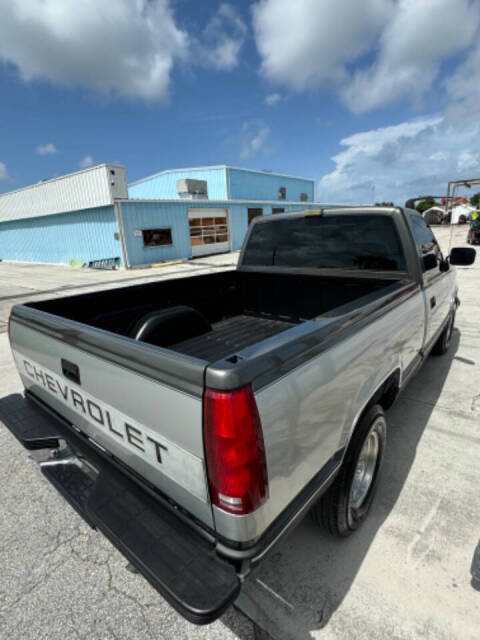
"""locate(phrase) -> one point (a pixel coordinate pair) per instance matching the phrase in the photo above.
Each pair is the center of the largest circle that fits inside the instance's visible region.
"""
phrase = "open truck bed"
(238, 309)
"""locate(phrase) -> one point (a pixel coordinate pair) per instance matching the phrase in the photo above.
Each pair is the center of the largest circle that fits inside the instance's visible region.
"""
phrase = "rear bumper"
(176, 558)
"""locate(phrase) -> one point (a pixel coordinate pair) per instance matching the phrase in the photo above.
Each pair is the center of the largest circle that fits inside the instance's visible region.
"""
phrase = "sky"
(376, 100)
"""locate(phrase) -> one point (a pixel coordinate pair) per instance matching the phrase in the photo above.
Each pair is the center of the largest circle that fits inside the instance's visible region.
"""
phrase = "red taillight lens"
(235, 453)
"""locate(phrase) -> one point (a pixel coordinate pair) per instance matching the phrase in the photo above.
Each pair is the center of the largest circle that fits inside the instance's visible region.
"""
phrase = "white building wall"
(92, 187)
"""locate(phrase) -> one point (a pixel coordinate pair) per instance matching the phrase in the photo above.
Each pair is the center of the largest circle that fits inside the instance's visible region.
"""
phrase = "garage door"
(208, 231)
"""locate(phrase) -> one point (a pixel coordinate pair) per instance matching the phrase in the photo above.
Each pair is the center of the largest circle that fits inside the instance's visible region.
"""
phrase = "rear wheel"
(346, 503)
(445, 340)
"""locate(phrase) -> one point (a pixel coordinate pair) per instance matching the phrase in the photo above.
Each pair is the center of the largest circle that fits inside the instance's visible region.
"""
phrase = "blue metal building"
(225, 183)
(175, 214)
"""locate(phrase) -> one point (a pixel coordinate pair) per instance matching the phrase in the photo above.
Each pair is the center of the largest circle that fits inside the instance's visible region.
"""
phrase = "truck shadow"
(301, 584)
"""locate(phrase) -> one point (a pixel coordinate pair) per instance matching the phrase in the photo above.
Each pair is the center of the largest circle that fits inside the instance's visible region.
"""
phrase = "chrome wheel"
(365, 469)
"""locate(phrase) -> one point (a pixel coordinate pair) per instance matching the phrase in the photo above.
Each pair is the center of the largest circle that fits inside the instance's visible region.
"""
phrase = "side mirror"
(429, 262)
(462, 256)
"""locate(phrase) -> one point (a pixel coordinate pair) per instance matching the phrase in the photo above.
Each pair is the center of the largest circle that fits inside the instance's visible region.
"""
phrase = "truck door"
(437, 284)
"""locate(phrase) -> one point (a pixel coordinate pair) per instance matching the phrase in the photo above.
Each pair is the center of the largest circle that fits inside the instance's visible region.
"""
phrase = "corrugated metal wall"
(164, 185)
(94, 187)
(82, 235)
(251, 185)
(150, 215)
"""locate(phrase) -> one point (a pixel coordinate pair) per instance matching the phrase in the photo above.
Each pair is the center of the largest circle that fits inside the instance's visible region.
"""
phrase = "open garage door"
(209, 231)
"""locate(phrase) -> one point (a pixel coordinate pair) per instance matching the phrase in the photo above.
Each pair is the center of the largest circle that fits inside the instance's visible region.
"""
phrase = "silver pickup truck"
(195, 421)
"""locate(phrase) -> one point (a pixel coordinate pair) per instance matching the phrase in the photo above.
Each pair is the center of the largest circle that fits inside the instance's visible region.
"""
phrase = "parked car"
(195, 421)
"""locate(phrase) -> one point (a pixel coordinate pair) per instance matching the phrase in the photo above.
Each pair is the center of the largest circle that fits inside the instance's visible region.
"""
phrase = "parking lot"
(405, 574)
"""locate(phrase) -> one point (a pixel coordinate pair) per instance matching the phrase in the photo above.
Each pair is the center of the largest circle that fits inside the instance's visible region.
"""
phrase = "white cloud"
(254, 137)
(370, 54)
(308, 44)
(418, 38)
(46, 149)
(409, 159)
(4, 177)
(330, 44)
(222, 39)
(85, 162)
(468, 160)
(272, 99)
(439, 156)
(463, 87)
(126, 47)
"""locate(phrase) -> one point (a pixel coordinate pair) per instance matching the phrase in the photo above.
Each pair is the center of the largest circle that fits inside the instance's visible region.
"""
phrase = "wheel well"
(387, 392)
(384, 396)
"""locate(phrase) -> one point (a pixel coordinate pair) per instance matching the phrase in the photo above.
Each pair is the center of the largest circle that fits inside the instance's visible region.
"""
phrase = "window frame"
(157, 230)
(424, 249)
(247, 261)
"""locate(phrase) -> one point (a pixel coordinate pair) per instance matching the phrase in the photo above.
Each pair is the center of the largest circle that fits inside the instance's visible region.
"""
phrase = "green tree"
(475, 200)
(423, 205)
(384, 204)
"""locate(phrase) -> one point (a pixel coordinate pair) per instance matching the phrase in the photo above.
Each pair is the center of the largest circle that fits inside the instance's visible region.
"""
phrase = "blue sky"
(379, 98)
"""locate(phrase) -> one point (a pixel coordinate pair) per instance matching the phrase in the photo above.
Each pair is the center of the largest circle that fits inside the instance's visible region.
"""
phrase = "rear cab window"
(343, 241)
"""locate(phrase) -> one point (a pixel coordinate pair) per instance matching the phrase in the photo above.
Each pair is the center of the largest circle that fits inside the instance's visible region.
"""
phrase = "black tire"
(336, 511)
(445, 339)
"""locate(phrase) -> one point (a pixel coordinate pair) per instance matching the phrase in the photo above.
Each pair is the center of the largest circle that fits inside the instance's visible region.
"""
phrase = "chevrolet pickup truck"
(195, 421)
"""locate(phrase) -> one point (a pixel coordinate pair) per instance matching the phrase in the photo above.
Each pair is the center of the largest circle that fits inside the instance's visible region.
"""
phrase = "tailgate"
(111, 389)
(177, 558)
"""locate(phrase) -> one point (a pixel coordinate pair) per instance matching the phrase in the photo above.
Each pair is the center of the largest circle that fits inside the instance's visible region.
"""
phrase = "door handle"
(433, 302)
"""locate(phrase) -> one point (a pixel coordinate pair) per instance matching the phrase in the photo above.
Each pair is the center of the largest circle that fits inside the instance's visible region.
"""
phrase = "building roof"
(227, 202)
(218, 166)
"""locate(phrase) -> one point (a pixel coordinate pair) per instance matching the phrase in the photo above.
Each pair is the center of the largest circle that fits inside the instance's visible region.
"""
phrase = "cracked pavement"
(405, 574)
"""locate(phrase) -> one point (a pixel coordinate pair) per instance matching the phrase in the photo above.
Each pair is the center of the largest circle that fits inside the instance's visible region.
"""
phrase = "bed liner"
(231, 335)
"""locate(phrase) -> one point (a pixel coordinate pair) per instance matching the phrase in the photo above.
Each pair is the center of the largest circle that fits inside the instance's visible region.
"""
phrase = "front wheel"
(346, 503)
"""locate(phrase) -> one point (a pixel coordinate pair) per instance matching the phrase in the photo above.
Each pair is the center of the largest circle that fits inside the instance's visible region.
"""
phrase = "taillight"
(235, 453)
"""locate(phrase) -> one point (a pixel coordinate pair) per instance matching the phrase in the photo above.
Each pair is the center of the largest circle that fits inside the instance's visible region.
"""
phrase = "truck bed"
(238, 309)
(231, 335)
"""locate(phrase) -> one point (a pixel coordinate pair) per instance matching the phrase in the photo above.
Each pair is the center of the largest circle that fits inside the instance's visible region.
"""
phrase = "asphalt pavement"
(405, 574)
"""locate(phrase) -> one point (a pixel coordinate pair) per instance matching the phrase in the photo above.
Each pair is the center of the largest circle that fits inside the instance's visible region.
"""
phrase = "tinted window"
(156, 237)
(424, 240)
(329, 241)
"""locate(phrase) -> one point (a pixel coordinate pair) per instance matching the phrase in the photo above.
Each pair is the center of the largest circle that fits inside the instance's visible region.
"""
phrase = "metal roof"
(218, 166)
(93, 187)
(194, 201)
